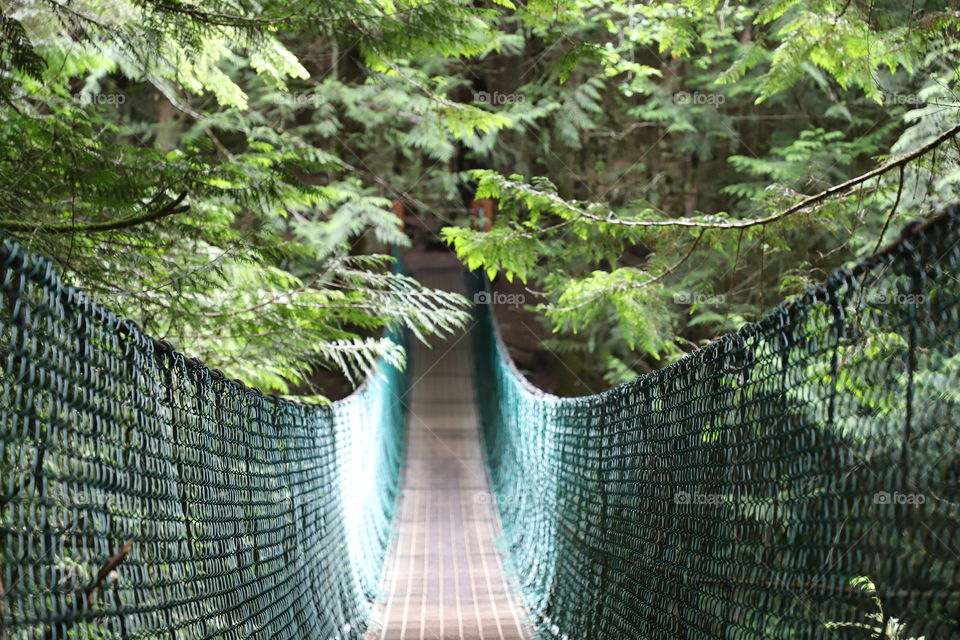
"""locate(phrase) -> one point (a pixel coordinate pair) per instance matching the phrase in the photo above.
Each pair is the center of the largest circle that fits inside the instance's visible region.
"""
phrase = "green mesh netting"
(797, 479)
(143, 495)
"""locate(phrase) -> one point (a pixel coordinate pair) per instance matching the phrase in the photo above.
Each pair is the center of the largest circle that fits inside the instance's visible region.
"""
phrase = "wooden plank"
(444, 577)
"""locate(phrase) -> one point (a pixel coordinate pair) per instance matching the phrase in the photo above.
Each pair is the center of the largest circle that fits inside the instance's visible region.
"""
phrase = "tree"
(157, 151)
(690, 147)
(677, 167)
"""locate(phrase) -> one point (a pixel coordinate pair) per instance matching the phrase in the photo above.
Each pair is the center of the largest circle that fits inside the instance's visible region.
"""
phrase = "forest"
(224, 172)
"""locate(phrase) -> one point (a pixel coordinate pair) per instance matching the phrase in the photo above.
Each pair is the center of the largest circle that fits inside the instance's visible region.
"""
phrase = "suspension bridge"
(799, 478)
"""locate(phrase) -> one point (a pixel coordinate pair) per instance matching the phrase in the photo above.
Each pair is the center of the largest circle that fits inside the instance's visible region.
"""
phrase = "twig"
(108, 567)
(893, 209)
(542, 230)
(218, 144)
(179, 106)
(677, 264)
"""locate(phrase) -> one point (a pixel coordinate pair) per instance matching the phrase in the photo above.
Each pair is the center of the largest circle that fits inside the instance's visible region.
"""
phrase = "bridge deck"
(444, 577)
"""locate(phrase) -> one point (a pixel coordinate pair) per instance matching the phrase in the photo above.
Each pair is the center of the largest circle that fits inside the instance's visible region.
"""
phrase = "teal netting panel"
(143, 495)
(797, 479)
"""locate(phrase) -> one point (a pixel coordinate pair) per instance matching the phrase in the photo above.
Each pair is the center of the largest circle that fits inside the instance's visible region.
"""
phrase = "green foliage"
(623, 295)
(16, 52)
(159, 153)
(671, 131)
(290, 128)
(878, 624)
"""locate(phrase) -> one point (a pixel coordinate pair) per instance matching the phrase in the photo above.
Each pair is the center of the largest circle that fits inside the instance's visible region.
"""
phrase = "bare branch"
(170, 209)
(893, 209)
(108, 567)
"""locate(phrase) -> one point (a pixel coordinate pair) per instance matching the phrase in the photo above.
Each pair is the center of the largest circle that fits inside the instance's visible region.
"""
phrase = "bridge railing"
(799, 478)
(143, 495)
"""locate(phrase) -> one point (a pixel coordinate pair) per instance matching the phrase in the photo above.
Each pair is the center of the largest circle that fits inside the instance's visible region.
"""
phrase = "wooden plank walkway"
(444, 577)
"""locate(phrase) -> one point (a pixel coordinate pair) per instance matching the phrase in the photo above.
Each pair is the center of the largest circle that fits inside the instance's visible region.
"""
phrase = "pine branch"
(806, 203)
(170, 209)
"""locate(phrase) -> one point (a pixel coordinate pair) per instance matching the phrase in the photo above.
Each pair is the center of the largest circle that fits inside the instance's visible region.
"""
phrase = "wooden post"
(481, 214)
(402, 224)
(398, 209)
